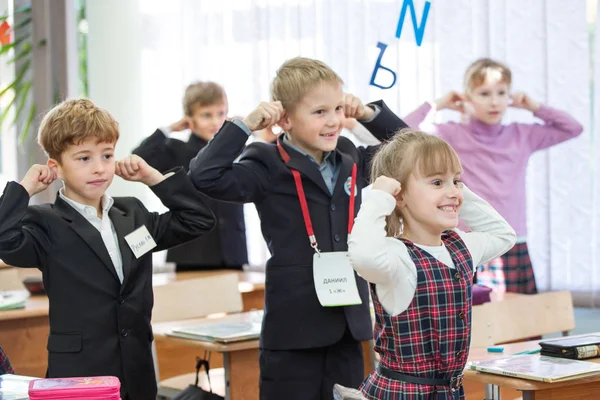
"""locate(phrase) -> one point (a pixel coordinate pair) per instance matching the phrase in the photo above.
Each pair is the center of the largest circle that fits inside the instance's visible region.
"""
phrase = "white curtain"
(240, 44)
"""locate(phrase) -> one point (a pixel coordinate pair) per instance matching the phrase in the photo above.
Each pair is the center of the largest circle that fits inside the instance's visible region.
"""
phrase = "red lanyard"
(304, 205)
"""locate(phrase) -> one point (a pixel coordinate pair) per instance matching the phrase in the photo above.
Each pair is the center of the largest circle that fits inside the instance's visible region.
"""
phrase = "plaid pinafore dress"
(429, 340)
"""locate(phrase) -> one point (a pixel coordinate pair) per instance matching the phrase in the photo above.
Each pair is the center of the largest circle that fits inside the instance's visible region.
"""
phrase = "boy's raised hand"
(263, 116)
(133, 168)
(521, 100)
(37, 179)
(180, 125)
(388, 185)
(354, 108)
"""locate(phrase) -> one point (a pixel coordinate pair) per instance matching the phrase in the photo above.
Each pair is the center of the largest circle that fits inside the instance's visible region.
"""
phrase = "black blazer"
(224, 247)
(294, 318)
(99, 326)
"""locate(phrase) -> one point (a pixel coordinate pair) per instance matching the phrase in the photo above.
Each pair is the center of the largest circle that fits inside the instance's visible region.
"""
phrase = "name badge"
(334, 280)
(140, 241)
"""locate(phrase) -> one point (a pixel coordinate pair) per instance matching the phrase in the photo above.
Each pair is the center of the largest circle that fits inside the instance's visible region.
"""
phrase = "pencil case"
(576, 348)
(81, 388)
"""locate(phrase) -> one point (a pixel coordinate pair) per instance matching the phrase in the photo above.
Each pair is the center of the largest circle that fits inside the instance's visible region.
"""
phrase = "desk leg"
(241, 374)
(492, 392)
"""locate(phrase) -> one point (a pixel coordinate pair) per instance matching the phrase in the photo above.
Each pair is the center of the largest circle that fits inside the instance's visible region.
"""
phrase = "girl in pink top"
(494, 156)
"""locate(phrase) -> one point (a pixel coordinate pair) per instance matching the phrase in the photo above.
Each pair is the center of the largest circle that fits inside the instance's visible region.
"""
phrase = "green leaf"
(18, 79)
(22, 24)
(4, 49)
(23, 98)
(24, 9)
(25, 133)
(7, 110)
(25, 51)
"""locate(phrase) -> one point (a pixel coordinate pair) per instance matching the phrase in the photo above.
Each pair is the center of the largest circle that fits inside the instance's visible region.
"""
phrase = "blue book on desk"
(229, 329)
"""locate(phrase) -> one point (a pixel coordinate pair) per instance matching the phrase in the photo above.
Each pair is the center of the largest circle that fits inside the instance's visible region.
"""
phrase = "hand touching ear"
(37, 179)
(133, 168)
(263, 116)
(521, 100)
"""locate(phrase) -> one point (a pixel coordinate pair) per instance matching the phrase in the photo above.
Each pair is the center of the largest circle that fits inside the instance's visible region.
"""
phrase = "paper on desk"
(13, 299)
(14, 387)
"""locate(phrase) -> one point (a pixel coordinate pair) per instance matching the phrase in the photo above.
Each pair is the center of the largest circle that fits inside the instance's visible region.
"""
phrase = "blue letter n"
(420, 29)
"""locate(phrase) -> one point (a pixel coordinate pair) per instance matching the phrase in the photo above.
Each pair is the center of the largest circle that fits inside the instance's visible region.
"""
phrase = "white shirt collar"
(107, 203)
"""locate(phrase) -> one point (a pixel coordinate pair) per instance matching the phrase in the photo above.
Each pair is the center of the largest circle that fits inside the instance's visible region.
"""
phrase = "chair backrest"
(10, 279)
(196, 298)
(521, 317)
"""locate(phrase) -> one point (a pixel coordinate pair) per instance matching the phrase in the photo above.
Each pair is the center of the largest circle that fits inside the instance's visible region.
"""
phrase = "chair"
(189, 299)
(516, 318)
(522, 317)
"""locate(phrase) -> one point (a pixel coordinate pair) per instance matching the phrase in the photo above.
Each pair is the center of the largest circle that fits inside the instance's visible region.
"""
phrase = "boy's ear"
(54, 165)
(284, 122)
(188, 120)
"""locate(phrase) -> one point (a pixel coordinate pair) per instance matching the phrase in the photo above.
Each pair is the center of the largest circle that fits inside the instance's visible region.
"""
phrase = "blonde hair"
(298, 76)
(480, 70)
(74, 121)
(412, 152)
(200, 94)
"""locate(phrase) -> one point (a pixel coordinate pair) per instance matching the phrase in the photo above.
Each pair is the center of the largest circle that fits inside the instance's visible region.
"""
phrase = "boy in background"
(205, 109)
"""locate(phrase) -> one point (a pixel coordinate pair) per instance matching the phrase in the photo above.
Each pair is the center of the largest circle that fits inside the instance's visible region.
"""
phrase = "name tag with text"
(140, 241)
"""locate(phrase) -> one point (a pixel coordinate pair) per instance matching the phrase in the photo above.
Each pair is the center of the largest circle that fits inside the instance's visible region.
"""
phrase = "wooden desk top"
(162, 328)
(481, 354)
(37, 306)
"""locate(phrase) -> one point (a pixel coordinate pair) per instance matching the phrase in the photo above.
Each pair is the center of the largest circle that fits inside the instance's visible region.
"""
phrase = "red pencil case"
(81, 388)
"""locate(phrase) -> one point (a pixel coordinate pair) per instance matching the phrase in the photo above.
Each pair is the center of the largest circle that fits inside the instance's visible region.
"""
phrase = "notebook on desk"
(229, 329)
(576, 348)
(537, 368)
(13, 299)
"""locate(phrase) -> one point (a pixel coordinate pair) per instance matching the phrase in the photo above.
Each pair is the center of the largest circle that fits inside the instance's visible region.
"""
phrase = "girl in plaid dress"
(5, 367)
(495, 156)
(405, 242)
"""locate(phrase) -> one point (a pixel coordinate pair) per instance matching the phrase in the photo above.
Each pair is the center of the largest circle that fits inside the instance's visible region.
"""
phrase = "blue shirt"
(329, 168)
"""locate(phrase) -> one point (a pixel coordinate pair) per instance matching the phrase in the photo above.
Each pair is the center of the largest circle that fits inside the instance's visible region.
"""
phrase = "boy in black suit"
(309, 341)
(94, 251)
(205, 108)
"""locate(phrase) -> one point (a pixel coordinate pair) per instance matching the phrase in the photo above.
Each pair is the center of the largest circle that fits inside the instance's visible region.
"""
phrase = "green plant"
(82, 29)
(17, 94)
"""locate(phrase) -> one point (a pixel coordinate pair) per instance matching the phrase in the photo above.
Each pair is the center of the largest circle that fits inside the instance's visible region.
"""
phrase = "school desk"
(240, 360)
(576, 389)
(24, 332)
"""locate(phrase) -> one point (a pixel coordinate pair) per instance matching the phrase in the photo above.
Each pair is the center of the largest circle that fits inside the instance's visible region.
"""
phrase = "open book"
(232, 328)
(537, 368)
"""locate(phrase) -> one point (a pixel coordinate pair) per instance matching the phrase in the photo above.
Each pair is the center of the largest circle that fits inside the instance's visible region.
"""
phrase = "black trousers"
(309, 374)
